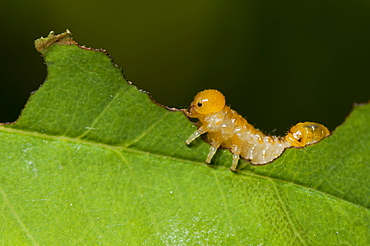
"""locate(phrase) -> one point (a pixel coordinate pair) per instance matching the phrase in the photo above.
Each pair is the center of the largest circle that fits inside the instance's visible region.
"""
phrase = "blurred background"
(277, 62)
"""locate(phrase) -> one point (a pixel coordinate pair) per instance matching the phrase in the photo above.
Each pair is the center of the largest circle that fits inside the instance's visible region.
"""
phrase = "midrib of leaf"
(117, 150)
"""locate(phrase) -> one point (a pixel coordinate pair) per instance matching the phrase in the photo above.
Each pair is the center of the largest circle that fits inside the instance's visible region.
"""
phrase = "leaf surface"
(92, 159)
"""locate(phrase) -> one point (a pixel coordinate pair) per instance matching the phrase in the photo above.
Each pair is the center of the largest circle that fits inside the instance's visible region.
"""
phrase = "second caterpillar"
(227, 129)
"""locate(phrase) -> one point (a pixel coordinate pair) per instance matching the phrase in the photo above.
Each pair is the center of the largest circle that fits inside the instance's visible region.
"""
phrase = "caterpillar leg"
(196, 134)
(212, 152)
(236, 158)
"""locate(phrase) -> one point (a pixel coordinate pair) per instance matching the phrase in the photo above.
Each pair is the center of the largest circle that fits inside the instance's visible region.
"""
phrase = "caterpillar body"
(227, 129)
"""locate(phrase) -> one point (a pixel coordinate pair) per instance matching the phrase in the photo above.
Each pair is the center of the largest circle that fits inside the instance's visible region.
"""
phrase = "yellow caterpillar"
(227, 129)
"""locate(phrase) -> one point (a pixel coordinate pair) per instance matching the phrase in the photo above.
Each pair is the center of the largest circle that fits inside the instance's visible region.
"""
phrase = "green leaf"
(92, 160)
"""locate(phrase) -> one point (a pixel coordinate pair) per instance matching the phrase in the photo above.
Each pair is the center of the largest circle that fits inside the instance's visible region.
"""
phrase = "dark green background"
(278, 62)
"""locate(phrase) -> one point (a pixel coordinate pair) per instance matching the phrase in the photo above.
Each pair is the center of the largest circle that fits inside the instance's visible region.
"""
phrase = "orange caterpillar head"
(206, 102)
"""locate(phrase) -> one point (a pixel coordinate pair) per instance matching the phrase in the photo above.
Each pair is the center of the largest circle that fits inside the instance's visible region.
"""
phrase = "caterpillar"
(227, 129)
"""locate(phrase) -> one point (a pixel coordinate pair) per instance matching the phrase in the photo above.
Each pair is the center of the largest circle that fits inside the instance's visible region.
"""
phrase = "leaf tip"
(42, 43)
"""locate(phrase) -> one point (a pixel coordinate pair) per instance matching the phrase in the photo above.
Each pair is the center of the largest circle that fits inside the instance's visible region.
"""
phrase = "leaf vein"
(83, 199)
(91, 127)
(137, 183)
(23, 226)
(290, 221)
(226, 207)
(147, 131)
